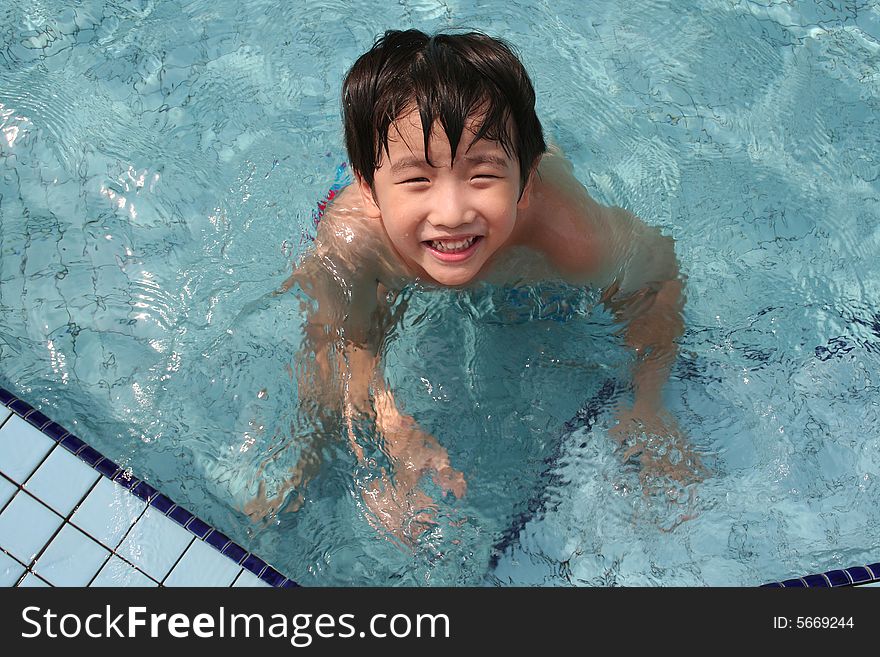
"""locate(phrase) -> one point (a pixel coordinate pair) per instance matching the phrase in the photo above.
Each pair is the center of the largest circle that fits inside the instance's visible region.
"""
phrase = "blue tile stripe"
(145, 492)
(6, 397)
(198, 527)
(846, 577)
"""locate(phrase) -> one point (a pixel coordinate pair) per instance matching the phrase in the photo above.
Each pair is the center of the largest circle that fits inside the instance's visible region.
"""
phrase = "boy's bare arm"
(633, 262)
(638, 270)
(645, 290)
(647, 295)
(337, 364)
(339, 373)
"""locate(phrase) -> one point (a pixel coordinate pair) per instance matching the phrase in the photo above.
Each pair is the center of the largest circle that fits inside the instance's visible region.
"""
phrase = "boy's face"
(445, 222)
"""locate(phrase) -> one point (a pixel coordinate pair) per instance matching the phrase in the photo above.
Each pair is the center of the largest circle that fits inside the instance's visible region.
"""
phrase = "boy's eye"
(415, 180)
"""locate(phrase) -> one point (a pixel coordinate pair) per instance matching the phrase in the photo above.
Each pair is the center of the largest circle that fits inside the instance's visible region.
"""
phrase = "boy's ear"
(525, 197)
(370, 206)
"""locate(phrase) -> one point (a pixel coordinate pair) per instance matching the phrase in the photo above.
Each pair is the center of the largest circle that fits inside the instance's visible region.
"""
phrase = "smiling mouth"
(453, 246)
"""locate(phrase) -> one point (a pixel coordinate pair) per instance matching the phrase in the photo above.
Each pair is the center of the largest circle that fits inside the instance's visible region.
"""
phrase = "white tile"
(155, 543)
(248, 579)
(108, 512)
(26, 526)
(72, 559)
(61, 481)
(32, 581)
(7, 490)
(117, 573)
(10, 570)
(202, 565)
(22, 447)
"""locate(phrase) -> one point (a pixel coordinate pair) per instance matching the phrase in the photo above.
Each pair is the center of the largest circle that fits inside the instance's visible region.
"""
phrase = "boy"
(452, 180)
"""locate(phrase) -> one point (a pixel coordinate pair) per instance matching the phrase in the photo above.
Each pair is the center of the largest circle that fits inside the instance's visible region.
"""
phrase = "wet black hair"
(448, 77)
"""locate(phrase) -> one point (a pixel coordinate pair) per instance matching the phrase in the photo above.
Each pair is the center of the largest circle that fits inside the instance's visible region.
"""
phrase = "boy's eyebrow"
(411, 162)
(407, 163)
(486, 158)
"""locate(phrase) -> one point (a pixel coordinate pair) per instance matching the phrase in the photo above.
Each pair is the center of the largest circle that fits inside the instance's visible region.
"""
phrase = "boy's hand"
(263, 508)
(417, 451)
(399, 505)
(663, 452)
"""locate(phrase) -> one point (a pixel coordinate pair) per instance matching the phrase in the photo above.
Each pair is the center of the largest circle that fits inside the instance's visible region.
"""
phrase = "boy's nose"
(450, 211)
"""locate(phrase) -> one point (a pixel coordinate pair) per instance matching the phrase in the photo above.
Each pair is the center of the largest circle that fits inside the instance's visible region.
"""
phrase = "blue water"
(160, 164)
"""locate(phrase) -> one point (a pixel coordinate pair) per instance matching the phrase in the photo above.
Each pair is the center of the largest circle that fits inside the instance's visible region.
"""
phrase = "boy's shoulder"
(353, 242)
(564, 223)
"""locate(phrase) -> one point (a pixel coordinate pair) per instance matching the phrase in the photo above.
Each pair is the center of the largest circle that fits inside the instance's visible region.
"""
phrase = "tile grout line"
(237, 576)
(179, 559)
(18, 561)
(65, 520)
(30, 567)
(69, 521)
(14, 483)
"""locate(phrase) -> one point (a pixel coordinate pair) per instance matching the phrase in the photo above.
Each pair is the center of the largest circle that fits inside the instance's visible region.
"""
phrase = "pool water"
(160, 165)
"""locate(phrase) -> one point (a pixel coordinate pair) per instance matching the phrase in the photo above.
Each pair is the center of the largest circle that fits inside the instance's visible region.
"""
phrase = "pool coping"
(145, 492)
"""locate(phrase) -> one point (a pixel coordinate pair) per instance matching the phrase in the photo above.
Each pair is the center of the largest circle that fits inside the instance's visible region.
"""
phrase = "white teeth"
(449, 245)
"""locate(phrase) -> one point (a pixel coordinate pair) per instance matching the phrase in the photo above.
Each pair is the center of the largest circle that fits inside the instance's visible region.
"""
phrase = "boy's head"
(447, 78)
(442, 134)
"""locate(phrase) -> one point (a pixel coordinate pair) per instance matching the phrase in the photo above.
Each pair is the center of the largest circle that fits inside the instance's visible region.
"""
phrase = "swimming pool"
(160, 165)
